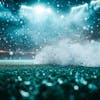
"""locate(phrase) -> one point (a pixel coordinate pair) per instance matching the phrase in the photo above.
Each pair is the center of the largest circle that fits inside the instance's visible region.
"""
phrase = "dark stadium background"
(26, 45)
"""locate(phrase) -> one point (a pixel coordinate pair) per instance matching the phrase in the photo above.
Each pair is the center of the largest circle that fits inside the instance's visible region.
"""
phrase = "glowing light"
(26, 7)
(39, 9)
(49, 10)
(79, 7)
(62, 16)
(76, 87)
(11, 53)
(3, 51)
(94, 2)
(38, 12)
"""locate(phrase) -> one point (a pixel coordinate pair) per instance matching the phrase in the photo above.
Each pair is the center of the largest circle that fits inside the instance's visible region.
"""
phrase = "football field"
(48, 82)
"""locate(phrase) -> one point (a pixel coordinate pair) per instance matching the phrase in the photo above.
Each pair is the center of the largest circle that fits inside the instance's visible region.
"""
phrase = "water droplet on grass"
(24, 93)
(76, 87)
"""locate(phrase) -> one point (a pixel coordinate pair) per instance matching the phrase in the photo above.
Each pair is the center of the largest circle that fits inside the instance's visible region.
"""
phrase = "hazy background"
(24, 33)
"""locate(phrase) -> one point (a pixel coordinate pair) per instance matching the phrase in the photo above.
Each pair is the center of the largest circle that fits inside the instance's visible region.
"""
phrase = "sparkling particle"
(19, 78)
(47, 83)
(92, 86)
(95, 76)
(27, 82)
(11, 53)
(60, 81)
(62, 16)
(84, 28)
(76, 87)
(83, 81)
(58, 5)
(24, 93)
(43, 74)
(91, 32)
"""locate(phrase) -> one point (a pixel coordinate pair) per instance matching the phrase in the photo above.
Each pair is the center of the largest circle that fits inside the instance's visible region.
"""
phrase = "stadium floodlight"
(38, 12)
(95, 2)
(23, 7)
(38, 9)
(79, 7)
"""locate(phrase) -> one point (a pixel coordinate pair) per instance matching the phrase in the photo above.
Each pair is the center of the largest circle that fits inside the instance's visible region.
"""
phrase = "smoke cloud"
(67, 52)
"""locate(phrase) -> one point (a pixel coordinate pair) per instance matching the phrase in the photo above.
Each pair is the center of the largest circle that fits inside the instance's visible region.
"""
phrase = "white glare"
(95, 2)
(48, 10)
(39, 9)
(62, 16)
(37, 12)
(26, 7)
(80, 7)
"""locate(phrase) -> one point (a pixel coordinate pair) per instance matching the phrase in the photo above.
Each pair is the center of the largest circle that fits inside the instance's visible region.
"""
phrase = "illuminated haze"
(63, 35)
